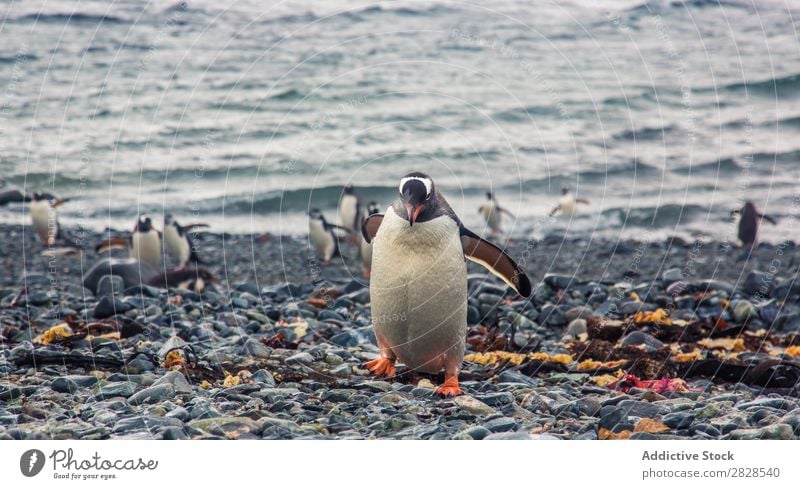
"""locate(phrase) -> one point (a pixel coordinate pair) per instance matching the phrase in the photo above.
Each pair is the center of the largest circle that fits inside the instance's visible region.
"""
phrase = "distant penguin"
(418, 288)
(350, 212)
(44, 218)
(365, 249)
(567, 204)
(178, 241)
(749, 222)
(135, 273)
(144, 243)
(321, 236)
(493, 214)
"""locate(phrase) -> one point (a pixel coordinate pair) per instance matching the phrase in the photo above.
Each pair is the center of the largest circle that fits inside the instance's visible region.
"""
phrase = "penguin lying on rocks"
(135, 273)
(418, 287)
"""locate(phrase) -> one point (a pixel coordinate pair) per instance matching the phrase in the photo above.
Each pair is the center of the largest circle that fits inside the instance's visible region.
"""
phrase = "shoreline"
(278, 350)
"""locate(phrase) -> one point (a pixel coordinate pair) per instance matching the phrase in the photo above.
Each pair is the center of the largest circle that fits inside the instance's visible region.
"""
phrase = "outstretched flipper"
(369, 228)
(555, 209)
(192, 227)
(506, 211)
(768, 218)
(581, 201)
(496, 261)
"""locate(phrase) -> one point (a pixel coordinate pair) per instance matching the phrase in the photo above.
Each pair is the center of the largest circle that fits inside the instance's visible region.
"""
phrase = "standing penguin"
(44, 217)
(144, 243)
(350, 212)
(178, 241)
(748, 224)
(419, 281)
(321, 236)
(365, 249)
(567, 204)
(492, 213)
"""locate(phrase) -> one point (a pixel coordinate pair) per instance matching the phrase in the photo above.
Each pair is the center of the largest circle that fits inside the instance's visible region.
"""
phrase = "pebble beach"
(661, 339)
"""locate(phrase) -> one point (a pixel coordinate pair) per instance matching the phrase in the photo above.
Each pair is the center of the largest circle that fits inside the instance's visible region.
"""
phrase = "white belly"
(177, 246)
(366, 254)
(568, 206)
(348, 212)
(492, 217)
(146, 247)
(321, 239)
(44, 220)
(419, 291)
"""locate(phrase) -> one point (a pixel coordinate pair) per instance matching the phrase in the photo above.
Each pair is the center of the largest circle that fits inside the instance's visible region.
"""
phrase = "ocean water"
(665, 114)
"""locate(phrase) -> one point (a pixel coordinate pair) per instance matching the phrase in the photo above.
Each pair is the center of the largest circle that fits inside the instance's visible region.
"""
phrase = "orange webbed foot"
(382, 367)
(450, 388)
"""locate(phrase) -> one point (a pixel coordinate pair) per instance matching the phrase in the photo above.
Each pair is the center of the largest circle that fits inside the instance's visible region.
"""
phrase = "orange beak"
(413, 213)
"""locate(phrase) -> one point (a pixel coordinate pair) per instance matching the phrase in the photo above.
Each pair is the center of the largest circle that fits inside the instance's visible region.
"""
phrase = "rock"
(557, 281)
(509, 436)
(110, 285)
(473, 406)
(177, 380)
(575, 328)
(256, 349)
(579, 312)
(678, 421)
(638, 338)
(500, 424)
(303, 358)
(716, 285)
(64, 384)
(757, 283)
(153, 394)
(779, 431)
(642, 409)
(671, 275)
(148, 423)
(743, 311)
(610, 417)
(496, 399)
(117, 389)
(110, 306)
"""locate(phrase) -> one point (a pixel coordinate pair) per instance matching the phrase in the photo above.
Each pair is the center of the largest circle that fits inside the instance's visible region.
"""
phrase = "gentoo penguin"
(44, 217)
(748, 223)
(567, 204)
(321, 236)
(135, 273)
(350, 212)
(418, 288)
(178, 241)
(144, 243)
(365, 249)
(492, 213)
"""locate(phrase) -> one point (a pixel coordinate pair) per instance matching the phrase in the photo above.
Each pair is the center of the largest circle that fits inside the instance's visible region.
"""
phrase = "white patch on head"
(425, 181)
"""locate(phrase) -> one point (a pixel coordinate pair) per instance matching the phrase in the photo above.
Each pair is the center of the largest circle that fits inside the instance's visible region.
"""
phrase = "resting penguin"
(419, 281)
(178, 241)
(567, 204)
(44, 217)
(350, 212)
(135, 273)
(144, 243)
(365, 249)
(321, 236)
(748, 223)
(492, 213)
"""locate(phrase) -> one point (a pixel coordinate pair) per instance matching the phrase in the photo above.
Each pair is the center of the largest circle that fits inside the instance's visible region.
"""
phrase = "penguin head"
(144, 223)
(372, 208)
(168, 220)
(316, 215)
(348, 189)
(418, 196)
(749, 209)
(37, 197)
(564, 190)
(489, 196)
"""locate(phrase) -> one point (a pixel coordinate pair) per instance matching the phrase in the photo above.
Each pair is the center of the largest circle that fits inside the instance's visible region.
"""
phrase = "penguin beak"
(413, 212)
